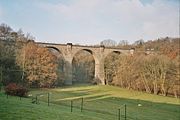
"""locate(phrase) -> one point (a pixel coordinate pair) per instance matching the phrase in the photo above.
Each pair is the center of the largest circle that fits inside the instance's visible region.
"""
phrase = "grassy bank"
(99, 103)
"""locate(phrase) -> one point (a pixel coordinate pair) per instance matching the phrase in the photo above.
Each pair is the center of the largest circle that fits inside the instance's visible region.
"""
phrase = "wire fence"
(79, 105)
(84, 105)
(101, 108)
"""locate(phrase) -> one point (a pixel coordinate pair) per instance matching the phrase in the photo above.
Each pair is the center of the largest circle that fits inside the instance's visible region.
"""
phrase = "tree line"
(157, 72)
(22, 61)
(153, 68)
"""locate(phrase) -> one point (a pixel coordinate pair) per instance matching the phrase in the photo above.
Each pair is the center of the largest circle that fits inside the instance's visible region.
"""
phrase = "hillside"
(100, 103)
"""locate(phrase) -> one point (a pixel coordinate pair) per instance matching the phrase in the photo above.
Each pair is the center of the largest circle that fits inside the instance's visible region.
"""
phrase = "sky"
(88, 22)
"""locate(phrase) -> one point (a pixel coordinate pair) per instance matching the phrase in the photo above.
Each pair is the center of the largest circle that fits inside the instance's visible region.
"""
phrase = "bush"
(16, 90)
(96, 81)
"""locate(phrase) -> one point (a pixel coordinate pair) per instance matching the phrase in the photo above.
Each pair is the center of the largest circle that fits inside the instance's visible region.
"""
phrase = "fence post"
(71, 105)
(125, 111)
(1, 79)
(48, 99)
(82, 104)
(36, 99)
(119, 114)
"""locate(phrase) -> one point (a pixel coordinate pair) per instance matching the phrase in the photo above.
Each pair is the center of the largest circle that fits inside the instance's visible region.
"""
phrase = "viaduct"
(68, 51)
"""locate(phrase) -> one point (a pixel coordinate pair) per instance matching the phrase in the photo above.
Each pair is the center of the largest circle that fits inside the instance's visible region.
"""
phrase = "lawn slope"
(99, 103)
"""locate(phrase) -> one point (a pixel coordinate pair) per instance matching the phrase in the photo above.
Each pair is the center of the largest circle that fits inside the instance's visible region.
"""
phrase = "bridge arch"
(111, 52)
(84, 49)
(61, 64)
(83, 66)
(109, 66)
(53, 48)
(56, 49)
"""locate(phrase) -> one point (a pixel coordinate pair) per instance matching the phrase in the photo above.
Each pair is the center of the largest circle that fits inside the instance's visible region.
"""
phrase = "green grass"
(15, 109)
(100, 103)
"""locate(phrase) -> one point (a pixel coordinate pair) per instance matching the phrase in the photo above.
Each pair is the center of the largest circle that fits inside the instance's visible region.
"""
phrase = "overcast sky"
(91, 21)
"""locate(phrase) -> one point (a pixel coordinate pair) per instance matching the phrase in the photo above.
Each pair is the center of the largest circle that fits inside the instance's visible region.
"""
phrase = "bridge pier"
(99, 71)
(68, 73)
(68, 64)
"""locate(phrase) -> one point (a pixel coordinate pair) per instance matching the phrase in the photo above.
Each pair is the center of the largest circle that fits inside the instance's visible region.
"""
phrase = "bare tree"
(108, 42)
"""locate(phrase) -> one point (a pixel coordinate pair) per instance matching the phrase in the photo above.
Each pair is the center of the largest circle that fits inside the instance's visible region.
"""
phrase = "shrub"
(1, 86)
(96, 81)
(16, 90)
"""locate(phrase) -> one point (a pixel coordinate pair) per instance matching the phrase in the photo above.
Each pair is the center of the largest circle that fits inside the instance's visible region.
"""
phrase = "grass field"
(99, 103)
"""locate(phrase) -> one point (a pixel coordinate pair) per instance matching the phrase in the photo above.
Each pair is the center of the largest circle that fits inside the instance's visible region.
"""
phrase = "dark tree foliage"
(10, 71)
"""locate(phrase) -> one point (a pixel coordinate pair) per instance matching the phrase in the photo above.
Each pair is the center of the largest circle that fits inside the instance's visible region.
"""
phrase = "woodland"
(153, 68)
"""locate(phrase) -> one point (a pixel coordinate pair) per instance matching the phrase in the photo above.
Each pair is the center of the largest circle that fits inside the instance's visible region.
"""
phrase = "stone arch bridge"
(99, 53)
